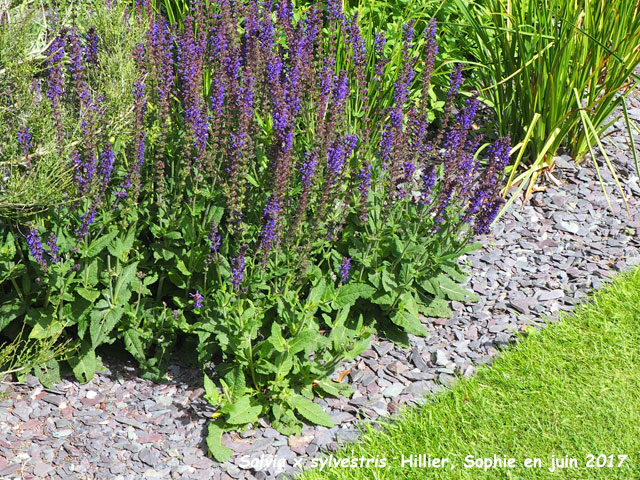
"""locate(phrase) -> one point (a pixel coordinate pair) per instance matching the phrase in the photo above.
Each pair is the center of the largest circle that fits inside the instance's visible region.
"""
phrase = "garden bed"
(537, 261)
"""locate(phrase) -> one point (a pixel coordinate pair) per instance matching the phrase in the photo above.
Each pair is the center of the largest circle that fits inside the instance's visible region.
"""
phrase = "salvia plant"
(278, 197)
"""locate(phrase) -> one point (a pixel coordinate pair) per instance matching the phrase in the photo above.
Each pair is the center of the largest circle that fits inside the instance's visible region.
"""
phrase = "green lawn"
(572, 389)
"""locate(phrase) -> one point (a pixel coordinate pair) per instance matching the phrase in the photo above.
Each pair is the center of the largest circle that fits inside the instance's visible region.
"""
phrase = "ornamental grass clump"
(280, 197)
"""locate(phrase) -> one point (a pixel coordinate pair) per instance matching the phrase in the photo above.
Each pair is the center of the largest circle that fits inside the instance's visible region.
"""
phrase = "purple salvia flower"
(214, 238)
(409, 169)
(381, 61)
(428, 183)
(217, 99)
(341, 91)
(237, 271)
(34, 243)
(334, 7)
(86, 220)
(105, 166)
(91, 47)
(455, 82)
(344, 269)
(24, 140)
(269, 234)
(486, 216)
(54, 249)
(335, 160)
(386, 145)
(197, 299)
(308, 170)
(357, 42)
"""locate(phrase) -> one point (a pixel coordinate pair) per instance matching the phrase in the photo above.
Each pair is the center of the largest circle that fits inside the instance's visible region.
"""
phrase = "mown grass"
(571, 389)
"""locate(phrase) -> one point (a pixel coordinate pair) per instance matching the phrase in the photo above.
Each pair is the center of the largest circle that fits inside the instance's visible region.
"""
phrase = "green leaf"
(122, 283)
(241, 411)
(454, 272)
(315, 295)
(48, 373)
(211, 392)
(311, 411)
(406, 316)
(102, 322)
(389, 283)
(99, 243)
(133, 344)
(214, 443)
(90, 295)
(9, 310)
(358, 347)
(305, 340)
(334, 389)
(236, 383)
(453, 291)
(84, 363)
(349, 293)
(437, 308)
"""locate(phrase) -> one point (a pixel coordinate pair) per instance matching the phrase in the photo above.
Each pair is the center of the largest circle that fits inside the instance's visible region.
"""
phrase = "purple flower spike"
(344, 269)
(54, 249)
(197, 299)
(214, 237)
(24, 139)
(237, 271)
(35, 246)
(269, 235)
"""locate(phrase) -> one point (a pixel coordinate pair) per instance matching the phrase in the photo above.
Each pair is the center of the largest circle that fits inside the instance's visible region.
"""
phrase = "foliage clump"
(277, 196)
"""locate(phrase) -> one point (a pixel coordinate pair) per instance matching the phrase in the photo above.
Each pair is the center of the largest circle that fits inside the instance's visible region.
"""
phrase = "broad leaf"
(406, 316)
(84, 363)
(99, 243)
(349, 293)
(133, 344)
(453, 291)
(214, 443)
(241, 411)
(311, 411)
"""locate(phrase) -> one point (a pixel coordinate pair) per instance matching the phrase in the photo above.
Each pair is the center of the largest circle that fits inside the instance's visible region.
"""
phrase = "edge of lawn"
(571, 388)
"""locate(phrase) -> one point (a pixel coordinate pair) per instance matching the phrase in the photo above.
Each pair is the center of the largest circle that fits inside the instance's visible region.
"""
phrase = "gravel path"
(538, 261)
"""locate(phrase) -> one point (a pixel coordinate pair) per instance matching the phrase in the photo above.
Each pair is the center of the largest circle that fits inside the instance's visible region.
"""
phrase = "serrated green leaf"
(311, 411)
(119, 295)
(406, 317)
(357, 348)
(276, 339)
(211, 392)
(214, 443)
(235, 382)
(102, 323)
(453, 291)
(454, 272)
(241, 411)
(84, 363)
(437, 308)
(10, 310)
(90, 295)
(133, 344)
(335, 389)
(99, 243)
(388, 281)
(315, 295)
(305, 340)
(349, 293)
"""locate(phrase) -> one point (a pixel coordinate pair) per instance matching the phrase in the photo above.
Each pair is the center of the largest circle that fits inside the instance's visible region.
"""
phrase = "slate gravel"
(538, 261)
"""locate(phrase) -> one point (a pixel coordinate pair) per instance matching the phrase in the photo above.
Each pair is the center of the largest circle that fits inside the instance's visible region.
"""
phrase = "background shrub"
(554, 73)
